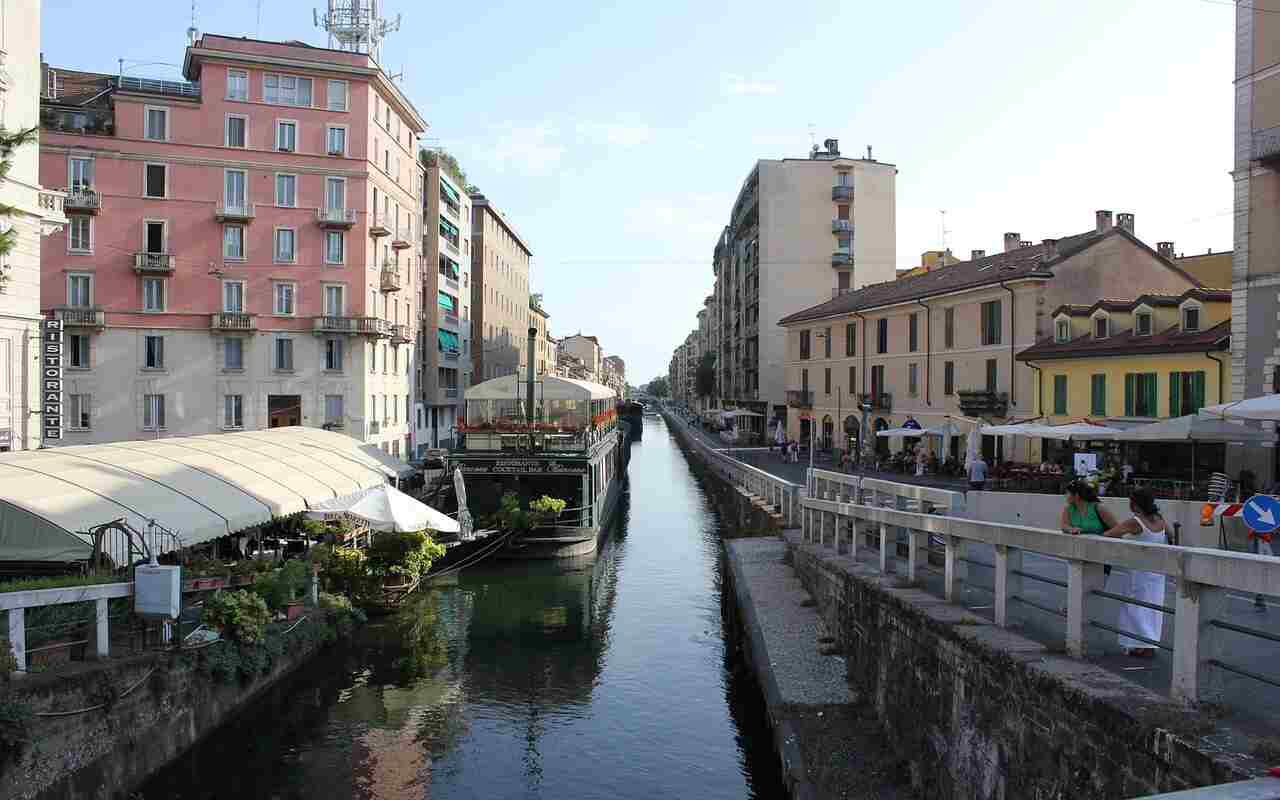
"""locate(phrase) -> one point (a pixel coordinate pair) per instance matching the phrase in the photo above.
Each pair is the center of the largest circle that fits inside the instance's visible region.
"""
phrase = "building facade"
(587, 350)
(444, 343)
(801, 230)
(1255, 268)
(615, 374)
(544, 347)
(243, 248)
(944, 344)
(500, 267)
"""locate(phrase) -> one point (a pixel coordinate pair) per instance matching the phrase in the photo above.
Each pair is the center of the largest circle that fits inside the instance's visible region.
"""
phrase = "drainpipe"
(1039, 390)
(928, 351)
(1013, 398)
(1209, 354)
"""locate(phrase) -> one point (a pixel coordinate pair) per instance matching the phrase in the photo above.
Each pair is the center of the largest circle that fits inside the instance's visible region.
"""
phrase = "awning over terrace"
(200, 487)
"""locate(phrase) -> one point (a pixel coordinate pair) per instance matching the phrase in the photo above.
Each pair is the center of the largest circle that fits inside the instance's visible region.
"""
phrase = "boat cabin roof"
(548, 387)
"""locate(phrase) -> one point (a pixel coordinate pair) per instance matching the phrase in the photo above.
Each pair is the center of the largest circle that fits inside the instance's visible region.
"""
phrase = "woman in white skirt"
(1146, 525)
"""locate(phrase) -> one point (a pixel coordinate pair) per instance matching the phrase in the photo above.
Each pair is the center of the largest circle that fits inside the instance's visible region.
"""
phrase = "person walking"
(977, 473)
(1146, 525)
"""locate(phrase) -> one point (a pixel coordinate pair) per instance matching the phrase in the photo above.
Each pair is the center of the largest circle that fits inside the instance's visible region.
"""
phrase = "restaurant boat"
(547, 435)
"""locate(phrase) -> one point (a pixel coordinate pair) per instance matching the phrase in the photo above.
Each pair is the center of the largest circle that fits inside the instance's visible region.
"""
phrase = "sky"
(615, 136)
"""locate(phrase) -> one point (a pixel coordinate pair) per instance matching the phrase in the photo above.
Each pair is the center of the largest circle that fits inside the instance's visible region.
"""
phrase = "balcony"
(400, 334)
(449, 355)
(82, 201)
(378, 224)
(391, 279)
(842, 258)
(800, 398)
(841, 193)
(81, 317)
(233, 321)
(400, 240)
(52, 215)
(337, 218)
(363, 326)
(879, 401)
(983, 402)
(1266, 147)
(449, 319)
(154, 263)
(450, 245)
(449, 392)
(242, 212)
(841, 226)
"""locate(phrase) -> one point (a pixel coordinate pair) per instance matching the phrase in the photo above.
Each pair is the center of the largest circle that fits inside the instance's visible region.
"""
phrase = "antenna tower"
(356, 26)
(946, 233)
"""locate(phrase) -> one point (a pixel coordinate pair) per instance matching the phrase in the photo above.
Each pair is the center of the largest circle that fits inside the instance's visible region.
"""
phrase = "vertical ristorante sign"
(51, 359)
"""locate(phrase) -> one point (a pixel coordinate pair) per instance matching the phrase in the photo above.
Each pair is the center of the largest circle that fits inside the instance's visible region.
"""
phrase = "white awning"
(386, 508)
(1266, 407)
(548, 387)
(901, 432)
(1192, 428)
(1081, 431)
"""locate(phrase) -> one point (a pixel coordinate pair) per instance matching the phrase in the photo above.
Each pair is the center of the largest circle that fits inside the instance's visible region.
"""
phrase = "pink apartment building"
(242, 249)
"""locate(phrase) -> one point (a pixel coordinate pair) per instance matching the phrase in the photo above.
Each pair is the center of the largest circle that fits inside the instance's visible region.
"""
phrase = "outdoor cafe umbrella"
(385, 508)
(464, 514)
(1266, 407)
(1076, 430)
(1194, 428)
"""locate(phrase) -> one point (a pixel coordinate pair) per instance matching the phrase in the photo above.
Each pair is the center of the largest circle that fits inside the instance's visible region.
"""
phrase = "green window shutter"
(1152, 394)
(1129, 380)
(1197, 391)
(1175, 394)
(1060, 394)
(1098, 406)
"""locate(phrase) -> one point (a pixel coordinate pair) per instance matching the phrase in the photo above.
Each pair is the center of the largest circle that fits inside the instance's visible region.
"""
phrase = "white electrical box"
(157, 590)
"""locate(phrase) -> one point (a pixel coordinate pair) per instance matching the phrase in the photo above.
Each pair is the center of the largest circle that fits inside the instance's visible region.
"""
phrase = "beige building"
(1255, 269)
(586, 349)
(615, 374)
(945, 343)
(544, 350)
(500, 262)
(801, 230)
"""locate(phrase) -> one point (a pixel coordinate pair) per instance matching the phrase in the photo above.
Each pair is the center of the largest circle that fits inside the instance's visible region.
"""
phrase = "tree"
(658, 387)
(704, 381)
(8, 143)
(447, 162)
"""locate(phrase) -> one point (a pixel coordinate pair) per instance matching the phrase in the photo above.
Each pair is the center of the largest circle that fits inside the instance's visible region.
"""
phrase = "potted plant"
(546, 510)
(240, 615)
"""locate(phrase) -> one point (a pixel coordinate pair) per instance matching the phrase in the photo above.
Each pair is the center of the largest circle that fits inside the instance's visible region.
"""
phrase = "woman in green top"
(1083, 513)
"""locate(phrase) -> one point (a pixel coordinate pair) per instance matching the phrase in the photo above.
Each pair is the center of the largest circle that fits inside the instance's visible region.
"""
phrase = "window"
(1101, 327)
(233, 353)
(286, 90)
(77, 351)
(284, 249)
(153, 352)
(1059, 394)
(1098, 395)
(284, 355)
(156, 183)
(79, 229)
(79, 407)
(233, 296)
(850, 341)
(804, 381)
(79, 294)
(1142, 323)
(233, 411)
(882, 335)
(826, 380)
(237, 84)
(286, 190)
(336, 96)
(993, 375)
(853, 381)
(335, 193)
(286, 136)
(826, 343)
(333, 355)
(949, 328)
(233, 242)
(336, 140)
(1062, 330)
(948, 378)
(842, 179)
(237, 131)
(80, 174)
(913, 380)
(153, 236)
(991, 322)
(1186, 393)
(157, 127)
(877, 383)
(334, 245)
(804, 344)
(1140, 392)
(334, 300)
(913, 332)
(153, 294)
(1190, 318)
(284, 297)
(153, 411)
(333, 413)
(233, 189)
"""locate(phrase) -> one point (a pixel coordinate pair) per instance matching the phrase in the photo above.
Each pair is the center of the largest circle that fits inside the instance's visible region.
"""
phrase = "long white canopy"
(1266, 407)
(548, 387)
(1193, 428)
(901, 432)
(1076, 430)
(200, 487)
(386, 508)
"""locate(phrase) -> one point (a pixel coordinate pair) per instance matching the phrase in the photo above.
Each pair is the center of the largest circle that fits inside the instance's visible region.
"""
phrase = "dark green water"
(612, 679)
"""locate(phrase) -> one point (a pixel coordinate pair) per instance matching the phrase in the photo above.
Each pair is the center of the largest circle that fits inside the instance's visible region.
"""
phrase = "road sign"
(1262, 513)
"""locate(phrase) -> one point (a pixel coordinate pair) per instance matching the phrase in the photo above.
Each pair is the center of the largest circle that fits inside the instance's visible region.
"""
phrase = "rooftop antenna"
(193, 32)
(356, 26)
(945, 232)
(257, 31)
(813, 137)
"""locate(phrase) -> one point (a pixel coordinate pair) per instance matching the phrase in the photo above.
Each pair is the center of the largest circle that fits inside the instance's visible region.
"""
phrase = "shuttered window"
(1140, 398)
(1186, 393)
(1098, 395)
(1060, 394)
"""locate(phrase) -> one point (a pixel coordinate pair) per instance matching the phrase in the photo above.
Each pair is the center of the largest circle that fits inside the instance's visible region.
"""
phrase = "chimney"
(528, 391)
(1050, 249)
(1012, 241)
(1125, 220)
(1103, 219)
(974, 255)
(1165, 249)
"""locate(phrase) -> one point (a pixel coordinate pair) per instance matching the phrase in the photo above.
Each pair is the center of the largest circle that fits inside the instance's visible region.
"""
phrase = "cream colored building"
(544, 348)
(36, 212)
(801, 230)
(587, 349)
(615, 374)
(944, 344)
(500, 262)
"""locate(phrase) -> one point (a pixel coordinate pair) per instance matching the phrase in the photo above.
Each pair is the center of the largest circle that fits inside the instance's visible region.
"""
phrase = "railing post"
(1008, 585)
(884, 549)
(18, 636)
(954, 575)
(103, 633)
(1195, 642)
(1083, 578)
(917, 553)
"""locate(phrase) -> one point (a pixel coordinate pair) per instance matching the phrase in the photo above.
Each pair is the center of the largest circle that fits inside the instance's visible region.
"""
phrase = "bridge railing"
(1199, 646)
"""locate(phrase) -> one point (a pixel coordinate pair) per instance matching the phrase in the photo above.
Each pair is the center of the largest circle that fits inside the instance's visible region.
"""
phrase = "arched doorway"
(882, 442)
(852, 435)
(828, 432)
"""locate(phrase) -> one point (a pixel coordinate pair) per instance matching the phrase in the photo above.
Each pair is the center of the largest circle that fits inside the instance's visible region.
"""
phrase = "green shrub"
(404, 554)
(551, 506)
(240, 615)
(287, 584)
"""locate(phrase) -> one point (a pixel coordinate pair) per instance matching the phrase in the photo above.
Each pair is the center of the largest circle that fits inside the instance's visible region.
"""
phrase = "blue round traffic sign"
(1262, 513)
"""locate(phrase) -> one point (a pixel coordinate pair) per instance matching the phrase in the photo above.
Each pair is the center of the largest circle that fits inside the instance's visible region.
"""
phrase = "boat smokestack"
(528, 392)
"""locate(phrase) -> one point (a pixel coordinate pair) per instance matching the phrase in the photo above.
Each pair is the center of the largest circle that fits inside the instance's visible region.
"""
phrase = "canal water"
(616, 679)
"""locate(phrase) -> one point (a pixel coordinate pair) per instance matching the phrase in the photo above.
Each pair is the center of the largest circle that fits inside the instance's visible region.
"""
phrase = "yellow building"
(1153, 357)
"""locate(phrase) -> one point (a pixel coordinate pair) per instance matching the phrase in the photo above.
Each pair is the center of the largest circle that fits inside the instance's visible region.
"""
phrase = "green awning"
(447, 340)
(447, 301)
(448, 267)
(448, 228)
(449, 192)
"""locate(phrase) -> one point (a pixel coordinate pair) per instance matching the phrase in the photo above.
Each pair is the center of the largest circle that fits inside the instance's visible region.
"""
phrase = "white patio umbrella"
(385, 508)
(1194, 428)
(973, 446)
(1266, 407)
(1076, 430)
(464, 514)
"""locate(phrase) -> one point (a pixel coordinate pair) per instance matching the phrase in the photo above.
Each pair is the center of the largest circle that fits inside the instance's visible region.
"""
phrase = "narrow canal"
(614, 679)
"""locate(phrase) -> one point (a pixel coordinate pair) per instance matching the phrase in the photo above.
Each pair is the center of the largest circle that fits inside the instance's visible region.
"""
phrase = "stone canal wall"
(97, 730)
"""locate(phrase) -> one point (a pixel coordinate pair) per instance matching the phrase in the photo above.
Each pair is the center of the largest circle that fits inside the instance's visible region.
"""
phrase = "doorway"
(284, 410)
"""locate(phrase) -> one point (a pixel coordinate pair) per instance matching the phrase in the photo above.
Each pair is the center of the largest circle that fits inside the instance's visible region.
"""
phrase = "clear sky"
(615, 136)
